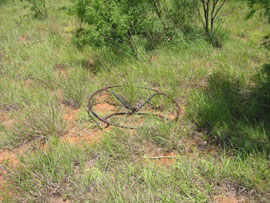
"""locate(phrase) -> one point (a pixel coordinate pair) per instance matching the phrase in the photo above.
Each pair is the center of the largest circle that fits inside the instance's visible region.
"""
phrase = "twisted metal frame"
(132, 110)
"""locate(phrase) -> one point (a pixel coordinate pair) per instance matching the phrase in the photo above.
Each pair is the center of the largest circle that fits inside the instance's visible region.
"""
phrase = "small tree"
(211, 10)
(131, 24)
(39, 8)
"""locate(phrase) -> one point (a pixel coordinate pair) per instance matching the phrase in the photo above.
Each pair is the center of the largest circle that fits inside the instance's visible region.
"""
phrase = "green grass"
(111, 171)
(224, 97)
(234, 114)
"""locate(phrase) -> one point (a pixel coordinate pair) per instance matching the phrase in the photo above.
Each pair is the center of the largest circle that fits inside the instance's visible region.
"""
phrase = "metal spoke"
(133, 111)
(121, 100)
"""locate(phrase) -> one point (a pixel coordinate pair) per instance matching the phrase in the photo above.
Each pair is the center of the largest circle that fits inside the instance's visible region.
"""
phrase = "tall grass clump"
(37, 121)
(233, 113)
(75, 87)
(42, 175)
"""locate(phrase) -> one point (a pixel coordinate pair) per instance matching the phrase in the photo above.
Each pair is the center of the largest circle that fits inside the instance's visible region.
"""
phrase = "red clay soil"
(23, 38)
(166, 161)
(10, 159)
(8, 124)
(71, 115)
(231, 199)
(5, 120)
(77, 134)
(29, 82)
(4, 115)
(57, 200)
(5, 156)
(104, 108)
(154, 151)
(103, 97)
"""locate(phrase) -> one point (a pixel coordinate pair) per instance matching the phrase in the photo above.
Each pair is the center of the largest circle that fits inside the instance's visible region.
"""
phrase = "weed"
(75, 87)
(36, 122)
(232, 113)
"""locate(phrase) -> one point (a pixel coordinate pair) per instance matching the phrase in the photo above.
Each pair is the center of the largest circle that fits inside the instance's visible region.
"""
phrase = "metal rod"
(134, 111)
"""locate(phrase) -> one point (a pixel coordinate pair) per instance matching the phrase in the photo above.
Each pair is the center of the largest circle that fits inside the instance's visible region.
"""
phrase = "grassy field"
(50, 151)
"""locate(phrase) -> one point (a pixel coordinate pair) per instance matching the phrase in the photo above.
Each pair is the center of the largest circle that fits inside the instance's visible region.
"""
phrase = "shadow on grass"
(233, 114)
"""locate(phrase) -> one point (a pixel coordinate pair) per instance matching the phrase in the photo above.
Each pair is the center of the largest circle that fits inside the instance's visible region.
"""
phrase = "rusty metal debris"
(131, 110)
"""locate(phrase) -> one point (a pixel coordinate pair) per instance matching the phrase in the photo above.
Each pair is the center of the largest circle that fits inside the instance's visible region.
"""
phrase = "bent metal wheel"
(128, 106)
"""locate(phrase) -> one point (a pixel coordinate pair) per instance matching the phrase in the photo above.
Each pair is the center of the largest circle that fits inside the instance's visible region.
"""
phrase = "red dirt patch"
(4, 116)
(76, 136)
(77, 133)
(23, 38)
(104, 108)
(10, 159)
(29, 82)
(153, 153)
(70, 116)
(57, 200)
(103, 97)
(166, 161)
(5, 120)
(230, 199)
(8, 124)
(102, 103)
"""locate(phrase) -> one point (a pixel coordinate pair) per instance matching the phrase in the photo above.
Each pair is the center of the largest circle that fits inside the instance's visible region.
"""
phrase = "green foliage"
(235, 115)
(131, 24)
(266, 42)
(38, 8)
(209, 16)
(2, 2)
(259, 6)
(262, 6)
(262, 90)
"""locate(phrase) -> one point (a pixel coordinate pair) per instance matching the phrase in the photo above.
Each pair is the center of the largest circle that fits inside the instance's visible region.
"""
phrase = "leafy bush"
(38, 8)
(2, 2)
(261, 6)
(234, 114)
(131, 24)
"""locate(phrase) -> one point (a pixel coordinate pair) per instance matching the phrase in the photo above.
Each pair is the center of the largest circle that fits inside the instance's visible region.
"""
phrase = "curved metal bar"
(131, 113)
(134, 112)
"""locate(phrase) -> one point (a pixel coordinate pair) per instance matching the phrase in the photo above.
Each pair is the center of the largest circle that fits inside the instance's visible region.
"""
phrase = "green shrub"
(234, 114)
(131, 25)
(259, 6)
(37, 122)
(2, 2)
(38, 8)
